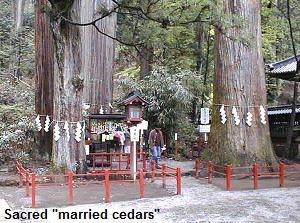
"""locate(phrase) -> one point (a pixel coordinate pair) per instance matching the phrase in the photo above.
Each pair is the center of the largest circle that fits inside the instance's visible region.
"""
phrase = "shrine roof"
(285, 69)
(132, 96)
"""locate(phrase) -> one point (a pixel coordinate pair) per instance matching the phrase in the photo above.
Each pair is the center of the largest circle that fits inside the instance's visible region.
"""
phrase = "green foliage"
(77, 82)
(276, 38)
(169, 27)
(170, 101)
(16, 121)
(14, 42)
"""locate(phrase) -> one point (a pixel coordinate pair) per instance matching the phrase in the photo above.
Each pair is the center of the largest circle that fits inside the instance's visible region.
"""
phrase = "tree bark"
(68, 86)
(99, 55)
(44, 71)
(240, 80)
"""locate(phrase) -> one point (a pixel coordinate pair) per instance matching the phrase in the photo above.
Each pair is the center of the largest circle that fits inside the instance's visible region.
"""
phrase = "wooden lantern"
(134, 107)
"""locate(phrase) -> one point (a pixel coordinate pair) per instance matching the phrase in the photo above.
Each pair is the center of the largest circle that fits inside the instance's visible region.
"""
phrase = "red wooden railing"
(103, 160)
(31, 180)
(256, 171)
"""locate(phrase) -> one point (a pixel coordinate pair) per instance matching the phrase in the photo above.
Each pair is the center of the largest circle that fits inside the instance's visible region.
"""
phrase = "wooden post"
(209, 172)
(228, 177)
(176, 150)
(281, 175)
(70, 186)
(107, 186)
(142, 184)
(255, 176)
(197, 167)
(164, 173)
(33, 190)
(144, 162)
(133, 160)
(178, 181)
(141, 144)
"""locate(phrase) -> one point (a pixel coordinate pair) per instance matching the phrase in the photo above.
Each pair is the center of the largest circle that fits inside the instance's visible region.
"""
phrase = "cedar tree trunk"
(43, 74)
(68, 85)
(240, 80)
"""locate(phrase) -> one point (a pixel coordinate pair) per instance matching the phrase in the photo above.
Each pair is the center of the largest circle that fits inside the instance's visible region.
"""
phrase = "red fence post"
(197, 167)
(178, 181)
(164, 173)
(142, 184)
(152, 170)
(281, 175)
(33, 190)
(255, 176)
(144, 162)
(107, 186)
(228, 177)
(209, 172)
(27, 183)
(70, 185)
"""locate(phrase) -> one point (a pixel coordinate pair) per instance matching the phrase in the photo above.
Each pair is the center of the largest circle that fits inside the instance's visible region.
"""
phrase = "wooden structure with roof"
(101, 128)
(285, 69)
(280, 116)
(134, 107)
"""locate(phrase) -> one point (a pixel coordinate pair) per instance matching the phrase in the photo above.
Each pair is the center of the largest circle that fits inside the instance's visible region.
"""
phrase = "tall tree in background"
(239, 81)
(98, 53)
(18, 16)
(44, 73)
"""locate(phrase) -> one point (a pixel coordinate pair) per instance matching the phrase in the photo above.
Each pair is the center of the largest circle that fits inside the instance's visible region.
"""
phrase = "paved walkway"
(186, 166)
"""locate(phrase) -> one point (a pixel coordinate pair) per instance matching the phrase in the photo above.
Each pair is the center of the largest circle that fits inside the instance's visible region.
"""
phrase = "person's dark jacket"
(156, 138)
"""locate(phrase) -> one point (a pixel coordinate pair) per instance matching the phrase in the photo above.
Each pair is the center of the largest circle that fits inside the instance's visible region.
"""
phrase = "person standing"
(156, 142)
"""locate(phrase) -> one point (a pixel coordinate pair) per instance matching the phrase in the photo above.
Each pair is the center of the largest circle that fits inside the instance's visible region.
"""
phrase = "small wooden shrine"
(102, 128)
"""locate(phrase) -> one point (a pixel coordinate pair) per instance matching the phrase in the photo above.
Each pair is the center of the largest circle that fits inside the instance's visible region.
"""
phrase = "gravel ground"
(201, 203)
